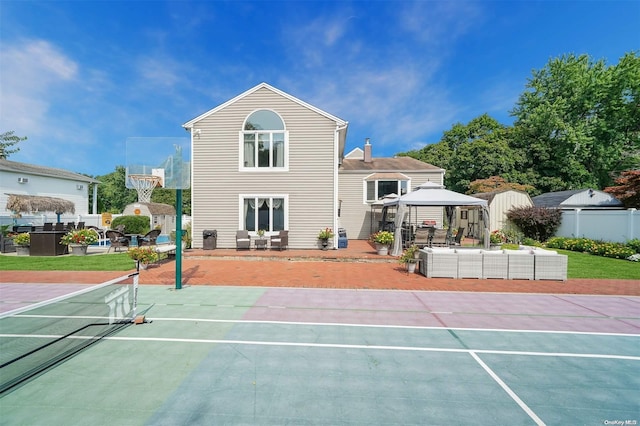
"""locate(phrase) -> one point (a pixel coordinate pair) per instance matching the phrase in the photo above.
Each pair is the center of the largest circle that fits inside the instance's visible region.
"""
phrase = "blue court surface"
(276, 356)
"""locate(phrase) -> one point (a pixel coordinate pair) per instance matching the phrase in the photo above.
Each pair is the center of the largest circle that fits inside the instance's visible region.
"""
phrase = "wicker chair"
(243, 240)
(149, 239)
(439, 238)
(281, 240)
(116, 240)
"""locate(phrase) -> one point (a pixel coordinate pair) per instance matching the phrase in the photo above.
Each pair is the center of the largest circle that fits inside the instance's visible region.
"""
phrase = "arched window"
(264, 140)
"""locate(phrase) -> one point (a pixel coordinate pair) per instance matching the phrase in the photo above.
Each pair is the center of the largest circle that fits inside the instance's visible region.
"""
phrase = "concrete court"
(260, 355)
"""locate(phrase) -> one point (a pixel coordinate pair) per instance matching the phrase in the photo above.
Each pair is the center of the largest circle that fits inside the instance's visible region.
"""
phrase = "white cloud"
(31, 70)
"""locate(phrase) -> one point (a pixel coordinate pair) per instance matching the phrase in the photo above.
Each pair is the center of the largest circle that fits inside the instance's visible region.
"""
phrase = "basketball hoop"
(145, 184)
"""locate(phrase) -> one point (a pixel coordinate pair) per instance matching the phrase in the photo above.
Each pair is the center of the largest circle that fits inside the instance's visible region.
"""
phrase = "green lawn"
(581, 265)
(96, 262)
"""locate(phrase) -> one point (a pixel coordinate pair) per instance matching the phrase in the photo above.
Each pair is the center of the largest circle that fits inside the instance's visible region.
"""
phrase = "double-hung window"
(263, 212)
(264, 142)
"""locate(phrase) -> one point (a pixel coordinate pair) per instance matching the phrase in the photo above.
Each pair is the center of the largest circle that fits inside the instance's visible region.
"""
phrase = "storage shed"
(500, 202)
(163, 215)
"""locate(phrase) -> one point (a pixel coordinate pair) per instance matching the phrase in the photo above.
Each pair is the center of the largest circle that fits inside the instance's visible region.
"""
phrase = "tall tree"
(578, 122)
(472, 151)
(627, 188)
(113, 195)
(7, 140)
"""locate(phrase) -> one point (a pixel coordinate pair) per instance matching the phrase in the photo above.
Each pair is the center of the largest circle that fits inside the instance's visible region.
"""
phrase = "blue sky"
(80, 77)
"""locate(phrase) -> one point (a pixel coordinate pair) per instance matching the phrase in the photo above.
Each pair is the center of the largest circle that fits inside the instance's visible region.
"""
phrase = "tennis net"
(40, 336)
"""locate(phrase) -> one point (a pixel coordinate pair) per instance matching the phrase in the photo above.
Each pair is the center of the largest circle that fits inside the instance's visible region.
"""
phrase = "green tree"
(7, 140)
(476, 150)
(113, 195)
(578, 122)
(168, 196)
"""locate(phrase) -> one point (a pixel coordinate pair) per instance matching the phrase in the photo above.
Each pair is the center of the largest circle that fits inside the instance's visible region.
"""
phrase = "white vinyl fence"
(606, 225)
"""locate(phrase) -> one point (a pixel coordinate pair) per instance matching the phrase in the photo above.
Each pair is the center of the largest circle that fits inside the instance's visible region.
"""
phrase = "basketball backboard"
(169, 159)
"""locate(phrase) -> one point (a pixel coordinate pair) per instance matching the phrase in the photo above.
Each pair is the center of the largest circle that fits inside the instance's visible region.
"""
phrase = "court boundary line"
(507, 389)
(338, 346)
(410, 327)
(354, 325)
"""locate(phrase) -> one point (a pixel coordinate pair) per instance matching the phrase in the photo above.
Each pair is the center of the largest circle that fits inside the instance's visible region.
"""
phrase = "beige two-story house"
(266, 160)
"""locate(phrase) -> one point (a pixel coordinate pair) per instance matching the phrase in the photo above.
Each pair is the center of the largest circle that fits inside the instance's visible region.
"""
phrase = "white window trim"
(256, 169)
(241, 198)
(364, 188)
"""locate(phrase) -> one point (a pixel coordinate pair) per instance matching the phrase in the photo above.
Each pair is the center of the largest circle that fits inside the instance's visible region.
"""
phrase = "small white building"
(28, 179)
(500, 202)
(577, 198)
(160, 215)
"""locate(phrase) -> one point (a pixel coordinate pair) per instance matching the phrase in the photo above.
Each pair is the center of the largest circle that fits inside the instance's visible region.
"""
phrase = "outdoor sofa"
(528, 263)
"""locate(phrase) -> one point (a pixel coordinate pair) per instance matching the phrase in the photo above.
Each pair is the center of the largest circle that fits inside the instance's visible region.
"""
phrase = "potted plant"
(324, 236)
(260, 233)
(382, 240)
(22, 242)
(143, 256)
(78, 240)
(410, 258)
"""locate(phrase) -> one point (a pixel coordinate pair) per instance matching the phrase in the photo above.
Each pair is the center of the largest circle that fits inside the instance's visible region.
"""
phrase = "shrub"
(598, 248)
(23, 239)
(538, 223)
(143, 254)
(79, 236)
(132, 224)
(382, 237)
(634, 245)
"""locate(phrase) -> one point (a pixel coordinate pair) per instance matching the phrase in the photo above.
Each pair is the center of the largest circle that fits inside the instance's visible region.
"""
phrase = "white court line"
(333, 346)
(337, 324)
(508, 390)
(408, 327)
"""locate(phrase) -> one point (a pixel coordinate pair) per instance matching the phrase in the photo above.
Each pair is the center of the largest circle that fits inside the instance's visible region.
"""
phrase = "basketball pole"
(178, 239)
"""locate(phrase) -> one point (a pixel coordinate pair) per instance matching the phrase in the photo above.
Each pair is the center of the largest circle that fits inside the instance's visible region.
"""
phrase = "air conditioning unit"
(23, 180)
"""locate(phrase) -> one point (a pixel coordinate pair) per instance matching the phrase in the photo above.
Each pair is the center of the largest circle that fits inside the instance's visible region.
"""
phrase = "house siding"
(309, 182)
(355, 212)
(44, 186)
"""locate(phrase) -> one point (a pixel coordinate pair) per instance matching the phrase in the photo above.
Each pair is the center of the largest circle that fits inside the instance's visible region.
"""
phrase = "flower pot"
(22, 250)
(325, 243)
(411, 267)
(382, 249)
(78, 249)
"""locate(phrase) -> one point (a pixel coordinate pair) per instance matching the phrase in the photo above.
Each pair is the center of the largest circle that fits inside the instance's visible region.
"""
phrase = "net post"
(178, 239)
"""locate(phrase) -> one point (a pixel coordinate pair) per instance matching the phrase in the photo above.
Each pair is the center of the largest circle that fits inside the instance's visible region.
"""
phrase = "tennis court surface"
(273, 356)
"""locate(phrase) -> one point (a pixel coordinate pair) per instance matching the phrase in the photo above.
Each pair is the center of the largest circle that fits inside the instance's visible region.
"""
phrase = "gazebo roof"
(35, 203)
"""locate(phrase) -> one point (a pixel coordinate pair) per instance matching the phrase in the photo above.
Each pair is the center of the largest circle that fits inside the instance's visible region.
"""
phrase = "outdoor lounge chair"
(423, 235)
(48, 226)
(59, 226)
(280, 240)
(243, 240)
(116, 240)
(439, 238)
(148, 239)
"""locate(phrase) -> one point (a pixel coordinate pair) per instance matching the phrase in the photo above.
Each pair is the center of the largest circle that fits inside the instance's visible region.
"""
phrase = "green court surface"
(261, 356)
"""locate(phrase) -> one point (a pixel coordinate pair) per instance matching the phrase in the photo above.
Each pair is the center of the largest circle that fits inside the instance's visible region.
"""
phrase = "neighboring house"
(577, 198)
(364, 179)
(27, 179)
(593, 214)
(267, 160)
(500, 202)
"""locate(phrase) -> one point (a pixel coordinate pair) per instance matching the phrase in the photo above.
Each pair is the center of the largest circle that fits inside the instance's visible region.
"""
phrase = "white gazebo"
(434, 195)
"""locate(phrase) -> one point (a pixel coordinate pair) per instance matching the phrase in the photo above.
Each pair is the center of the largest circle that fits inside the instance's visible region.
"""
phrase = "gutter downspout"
(336, 182)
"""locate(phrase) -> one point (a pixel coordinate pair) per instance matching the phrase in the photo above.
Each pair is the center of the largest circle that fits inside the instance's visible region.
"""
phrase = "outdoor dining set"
(279, 240)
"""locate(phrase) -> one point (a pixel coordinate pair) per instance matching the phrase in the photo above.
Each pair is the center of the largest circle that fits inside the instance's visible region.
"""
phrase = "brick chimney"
(367, 151)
